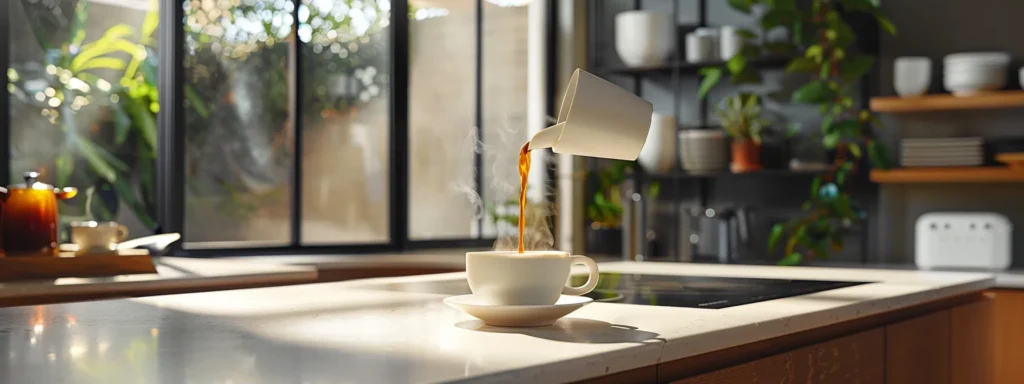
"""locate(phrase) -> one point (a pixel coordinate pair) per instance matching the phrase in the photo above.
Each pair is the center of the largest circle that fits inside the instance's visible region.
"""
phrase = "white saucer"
(517, 315)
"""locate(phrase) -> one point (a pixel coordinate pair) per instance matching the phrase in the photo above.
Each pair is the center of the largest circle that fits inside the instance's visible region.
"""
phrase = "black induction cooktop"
(700, 291)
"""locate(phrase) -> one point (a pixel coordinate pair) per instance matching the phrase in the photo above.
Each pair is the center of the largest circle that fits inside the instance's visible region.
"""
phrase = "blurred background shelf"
(687, 68)
(944, 102)
(948, 175)
(724, 174)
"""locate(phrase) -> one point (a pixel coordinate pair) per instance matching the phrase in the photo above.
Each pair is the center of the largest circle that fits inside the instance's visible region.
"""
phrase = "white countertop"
(389, 330)
(172, 273)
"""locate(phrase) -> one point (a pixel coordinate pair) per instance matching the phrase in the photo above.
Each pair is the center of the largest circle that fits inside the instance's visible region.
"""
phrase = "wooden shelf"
(691, 68)
(948, 175)
(723, 174)
(944, 102)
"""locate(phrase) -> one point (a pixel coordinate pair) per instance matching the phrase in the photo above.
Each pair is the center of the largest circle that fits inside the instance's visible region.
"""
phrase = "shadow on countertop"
(574, 330)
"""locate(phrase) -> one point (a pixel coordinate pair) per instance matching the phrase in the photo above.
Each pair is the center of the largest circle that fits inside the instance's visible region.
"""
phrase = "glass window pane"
(345, 121)
(85, 116)
(442, 77)
(238, 131)
(504, 112)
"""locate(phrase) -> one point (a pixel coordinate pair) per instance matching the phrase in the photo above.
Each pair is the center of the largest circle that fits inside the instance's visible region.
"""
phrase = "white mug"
(529, 278)
(597, 119)
(912, 75)
(97, 237)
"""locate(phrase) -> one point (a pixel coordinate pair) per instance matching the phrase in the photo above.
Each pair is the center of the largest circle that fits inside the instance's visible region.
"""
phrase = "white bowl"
(990, 58)
(644, 38)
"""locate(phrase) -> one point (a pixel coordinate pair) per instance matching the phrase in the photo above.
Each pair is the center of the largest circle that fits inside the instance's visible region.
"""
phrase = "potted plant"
(741, 118)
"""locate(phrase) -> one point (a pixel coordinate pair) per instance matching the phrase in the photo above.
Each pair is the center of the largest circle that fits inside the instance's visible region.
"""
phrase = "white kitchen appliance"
(963, 240)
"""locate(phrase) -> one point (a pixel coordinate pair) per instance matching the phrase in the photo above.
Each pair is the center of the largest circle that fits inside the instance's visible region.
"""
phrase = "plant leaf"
(76, 31)
(855, 150)
(749, 75)
(96, 161)
(885, 23)
(879, 155)
(855, 68)
(830, 140)
(736, 64)
(776, 17)
(150, 23)
(712, 76)
(741, 5)
(102, 63)
(848, 128)
(814, 52)
(814, 92)
(122, 125)
(775, 235)
(746, 34)
(815, 186)
(791, 259)
(801, 64)
(65, 164)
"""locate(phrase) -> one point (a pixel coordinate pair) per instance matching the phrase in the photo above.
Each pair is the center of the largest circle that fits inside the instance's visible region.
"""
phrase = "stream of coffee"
(524, 172)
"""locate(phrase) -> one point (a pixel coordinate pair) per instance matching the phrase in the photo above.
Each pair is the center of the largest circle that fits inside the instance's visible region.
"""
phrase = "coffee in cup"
(528, 278)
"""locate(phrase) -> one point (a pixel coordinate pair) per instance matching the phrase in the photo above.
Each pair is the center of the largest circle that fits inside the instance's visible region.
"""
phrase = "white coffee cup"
(912, 75)
(97, 236)
(529, 278)
(597, 119)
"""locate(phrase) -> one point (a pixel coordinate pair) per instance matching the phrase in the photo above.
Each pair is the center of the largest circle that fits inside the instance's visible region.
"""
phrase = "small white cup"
(730, 42)
(699, 48)
(529, 278)
(912, 75)
(97, 237)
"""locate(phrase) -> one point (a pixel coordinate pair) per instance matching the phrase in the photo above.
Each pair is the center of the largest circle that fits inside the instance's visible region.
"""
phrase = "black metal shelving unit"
(674, 71)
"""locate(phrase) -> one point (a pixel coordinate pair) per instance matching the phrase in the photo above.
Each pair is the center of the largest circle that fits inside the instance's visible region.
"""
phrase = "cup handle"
(591, 280)
(122, 232)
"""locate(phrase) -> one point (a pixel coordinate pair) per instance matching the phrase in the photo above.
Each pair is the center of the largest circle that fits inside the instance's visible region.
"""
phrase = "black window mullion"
(479, 112)
(170, 177)
(296, 107)
(5, 97)
(398, 136)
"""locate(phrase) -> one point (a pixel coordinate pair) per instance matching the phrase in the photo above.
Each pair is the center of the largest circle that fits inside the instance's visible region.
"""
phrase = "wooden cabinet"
(972, 344)
(858, 358)
(918, 350)
(1008, 341)
(949, 342)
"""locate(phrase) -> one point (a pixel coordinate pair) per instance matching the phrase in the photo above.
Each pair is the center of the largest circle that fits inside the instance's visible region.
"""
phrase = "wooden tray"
(124, 262)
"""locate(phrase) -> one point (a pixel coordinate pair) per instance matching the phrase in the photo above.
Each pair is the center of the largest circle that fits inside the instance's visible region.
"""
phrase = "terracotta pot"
(746, 156)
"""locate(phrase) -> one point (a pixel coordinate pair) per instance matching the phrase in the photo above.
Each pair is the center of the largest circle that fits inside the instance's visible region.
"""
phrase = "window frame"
(170, 175)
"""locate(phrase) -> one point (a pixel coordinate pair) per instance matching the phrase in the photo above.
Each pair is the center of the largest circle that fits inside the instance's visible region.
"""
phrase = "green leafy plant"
(741, 117)
(113, 160)
(605, 208)
(823, 40)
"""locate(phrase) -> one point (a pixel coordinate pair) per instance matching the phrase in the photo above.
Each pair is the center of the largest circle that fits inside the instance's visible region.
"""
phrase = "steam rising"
(500, 155)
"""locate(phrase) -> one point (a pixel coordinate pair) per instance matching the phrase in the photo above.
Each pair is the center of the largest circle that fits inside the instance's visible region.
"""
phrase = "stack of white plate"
(969, 73)
(951, 152)
(703, 151)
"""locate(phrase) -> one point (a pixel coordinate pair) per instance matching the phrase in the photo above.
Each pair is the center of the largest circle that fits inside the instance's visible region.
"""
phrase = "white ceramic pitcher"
(597, 119)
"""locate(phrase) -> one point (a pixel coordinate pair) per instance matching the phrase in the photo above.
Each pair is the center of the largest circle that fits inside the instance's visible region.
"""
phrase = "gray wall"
(949, 26)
